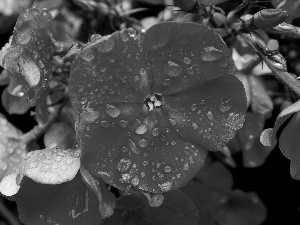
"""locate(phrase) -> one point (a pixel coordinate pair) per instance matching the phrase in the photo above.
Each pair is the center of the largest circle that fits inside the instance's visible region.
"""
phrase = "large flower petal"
(109, 70)
(147, 152)
(184, 55)
(210, 115)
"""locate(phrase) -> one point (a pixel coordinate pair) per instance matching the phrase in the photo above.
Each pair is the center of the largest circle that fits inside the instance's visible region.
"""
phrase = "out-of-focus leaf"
(291, 6)
(4, 77)
(238, 208)
(10, 7)
(11, 149)
(28, 57)
(177, 209)
(60, 134)
(14, 104)
(48, 4)
(69, 203)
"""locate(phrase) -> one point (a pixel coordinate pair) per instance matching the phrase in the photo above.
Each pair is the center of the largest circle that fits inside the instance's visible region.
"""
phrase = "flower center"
(153, 101)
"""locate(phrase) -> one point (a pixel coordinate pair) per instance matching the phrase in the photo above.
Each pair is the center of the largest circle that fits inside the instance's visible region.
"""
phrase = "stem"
(38, 130)
(279, 71)
(7, 214)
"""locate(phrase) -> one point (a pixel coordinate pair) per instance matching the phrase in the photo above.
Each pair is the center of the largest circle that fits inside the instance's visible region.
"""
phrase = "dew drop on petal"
(131, 32)
(135, 181)
(186, 60)
(195, 126)
(145, 163)
(30, 70)
(168, 168)
(209, 115)
(225, 106)
(87, 55)
(123, 165)
(211, 54)
(104, 123)
(143, 174)
(173, 69)
(186, 166)
(112, 111)
(22, 38)
(193, 107)
(143, 143)
(123, 123)
(133, 147)
(172, 121)
(155, 132)
(141, 129)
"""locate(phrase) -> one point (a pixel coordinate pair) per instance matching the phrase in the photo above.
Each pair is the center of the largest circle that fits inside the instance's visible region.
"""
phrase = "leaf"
(293, 7)
(237, 208)
(11, 149)
(254, 153)
(140, 103)
(176, 209)
(261, 102)
(60, 134)
(28, 57)
(69, 203)
(14, 104)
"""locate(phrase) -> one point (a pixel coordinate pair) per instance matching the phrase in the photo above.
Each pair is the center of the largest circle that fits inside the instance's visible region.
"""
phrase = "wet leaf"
(237, 208)
(14, 104)
(28, 57)
(11, 149)
(168, 98)
(69, 203)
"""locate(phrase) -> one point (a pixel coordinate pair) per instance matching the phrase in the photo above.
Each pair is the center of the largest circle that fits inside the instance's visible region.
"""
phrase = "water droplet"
(209, 115)
(3, 166)
(172, 121)
(193, 107)
(124, 36)
(106, 45)
(58, 158)
(123, 123)
(33, 165)
(266, 137)
(143, 143)
(141, 129)
(190, 70)
(69, 161)
(225, 106)
(143, 174)
(112, 111)
(87, 55)
(135, 181)
(211, 54)
(155, 132)
(131, 32)
(186, 166)
(103, 69)
(167, 82)
(30, 71)
(173, 69)
(186, 60)
(178, 175)
(145, 163)
(104, 123)
(23, 37)
(35, 54)
(124, 149)
(111, 59)
(168, 168)
(173, 143)
(133, 147)
(142, 71)
(195, 126)
(123, 165)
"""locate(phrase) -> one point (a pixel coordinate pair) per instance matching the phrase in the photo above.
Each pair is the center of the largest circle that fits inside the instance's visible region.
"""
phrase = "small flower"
(286, 129)
(150, 109)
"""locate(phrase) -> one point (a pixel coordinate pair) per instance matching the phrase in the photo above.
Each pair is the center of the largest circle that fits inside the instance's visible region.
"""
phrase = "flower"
(150, 109)
(286, 129)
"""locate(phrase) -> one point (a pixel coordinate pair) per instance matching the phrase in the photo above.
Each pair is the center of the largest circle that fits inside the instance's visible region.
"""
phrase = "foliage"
(140, 114)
